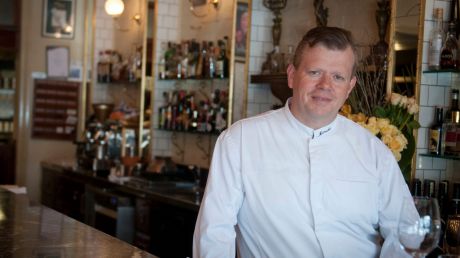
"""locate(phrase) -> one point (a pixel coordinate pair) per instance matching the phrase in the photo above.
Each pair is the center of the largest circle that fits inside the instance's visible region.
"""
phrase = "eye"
(313, 73)
(338, 77)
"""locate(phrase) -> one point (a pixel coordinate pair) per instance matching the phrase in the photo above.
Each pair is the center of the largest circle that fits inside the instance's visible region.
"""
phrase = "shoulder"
(357, 135)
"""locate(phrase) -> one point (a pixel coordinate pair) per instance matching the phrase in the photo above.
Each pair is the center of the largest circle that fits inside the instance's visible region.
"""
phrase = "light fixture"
(215, 3)
(200, 8)
(114, 7)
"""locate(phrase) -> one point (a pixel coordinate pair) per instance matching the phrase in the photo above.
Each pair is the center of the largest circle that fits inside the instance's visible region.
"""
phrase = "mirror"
(117, 68)
(223, 99)
(406, 28)
(405, 52)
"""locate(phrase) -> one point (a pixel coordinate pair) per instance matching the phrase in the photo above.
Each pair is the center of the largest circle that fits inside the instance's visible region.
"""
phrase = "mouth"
(321, 99)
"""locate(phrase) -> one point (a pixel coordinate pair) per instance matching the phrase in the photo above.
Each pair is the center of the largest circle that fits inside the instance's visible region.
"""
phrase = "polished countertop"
(28, 230)
(181, 194)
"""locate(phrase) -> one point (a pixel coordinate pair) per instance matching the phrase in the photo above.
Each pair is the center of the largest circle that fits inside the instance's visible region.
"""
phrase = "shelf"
(442, 71)
(451, 157)
(120, 82)
(189, 132)
(278, 84)
(193, 79)
(7, 91)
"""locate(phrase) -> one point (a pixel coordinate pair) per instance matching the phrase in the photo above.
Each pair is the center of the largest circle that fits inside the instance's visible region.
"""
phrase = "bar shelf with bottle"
(193, 79)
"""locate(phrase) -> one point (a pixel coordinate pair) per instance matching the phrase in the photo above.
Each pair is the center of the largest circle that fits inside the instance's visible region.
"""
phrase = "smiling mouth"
(322, 99)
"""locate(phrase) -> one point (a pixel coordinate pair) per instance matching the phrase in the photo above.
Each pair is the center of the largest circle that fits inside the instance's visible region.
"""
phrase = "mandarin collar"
(325, 130)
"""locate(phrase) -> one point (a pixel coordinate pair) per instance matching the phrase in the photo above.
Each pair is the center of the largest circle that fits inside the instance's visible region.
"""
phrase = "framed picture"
(58, 18)
(242, 28)
(57, 62)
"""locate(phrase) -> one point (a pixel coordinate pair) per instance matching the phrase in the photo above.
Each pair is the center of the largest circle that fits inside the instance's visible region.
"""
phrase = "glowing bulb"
(114, 7)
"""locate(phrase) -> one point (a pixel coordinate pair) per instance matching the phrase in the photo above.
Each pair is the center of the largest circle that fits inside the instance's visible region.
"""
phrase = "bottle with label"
(450, 49)
(436, 133)
(434, 51)
(451, 125)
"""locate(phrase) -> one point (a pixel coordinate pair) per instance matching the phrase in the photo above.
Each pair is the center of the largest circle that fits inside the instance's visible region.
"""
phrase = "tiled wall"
(260, 98)
(435, 91)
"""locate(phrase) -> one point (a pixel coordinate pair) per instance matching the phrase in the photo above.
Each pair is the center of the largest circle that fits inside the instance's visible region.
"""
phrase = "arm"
(214, 231)
(393, 189)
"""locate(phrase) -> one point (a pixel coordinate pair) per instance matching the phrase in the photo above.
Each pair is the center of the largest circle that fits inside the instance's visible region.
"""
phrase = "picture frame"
(57, 61)
(241, 30)
(58, 19)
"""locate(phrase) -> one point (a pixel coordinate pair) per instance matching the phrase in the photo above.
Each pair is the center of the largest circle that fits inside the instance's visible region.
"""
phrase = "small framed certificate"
(57, 61)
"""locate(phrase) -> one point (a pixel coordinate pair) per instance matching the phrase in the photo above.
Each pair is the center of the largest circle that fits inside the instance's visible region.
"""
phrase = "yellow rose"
(387, 130)
(360, 117)
(397, 155)
(395, 144)
(372, 120)
(383, 122)
(346, 109)
(372, 128)
(386, 139)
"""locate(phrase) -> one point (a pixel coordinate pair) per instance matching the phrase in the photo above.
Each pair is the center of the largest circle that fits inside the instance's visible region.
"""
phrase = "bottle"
(434, 52)
(429, 188)
(222, 61)
(443, 195)
(451, 125)
(416, 189)
(449, 50)
(436, 133)
(453, 114)
(289, 57)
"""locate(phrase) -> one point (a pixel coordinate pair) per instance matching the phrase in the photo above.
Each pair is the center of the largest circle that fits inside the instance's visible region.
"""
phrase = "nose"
(325, 82)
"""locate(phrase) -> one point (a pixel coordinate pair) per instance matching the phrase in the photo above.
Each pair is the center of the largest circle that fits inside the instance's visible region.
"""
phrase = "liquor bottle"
(436, 133)
(288, 58)
(429, 188)
(416, 188)
(222, 61)
(443, 196)
(434, 54)
(451, 125)
(450, 49)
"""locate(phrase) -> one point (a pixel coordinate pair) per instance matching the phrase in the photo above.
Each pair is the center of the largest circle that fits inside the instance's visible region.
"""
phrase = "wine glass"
(419, 225)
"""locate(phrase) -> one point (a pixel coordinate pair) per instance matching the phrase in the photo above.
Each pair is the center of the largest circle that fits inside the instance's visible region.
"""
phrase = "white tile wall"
(435, 91)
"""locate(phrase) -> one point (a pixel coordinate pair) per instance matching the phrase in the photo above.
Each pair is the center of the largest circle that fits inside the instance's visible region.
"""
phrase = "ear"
(351, 85)
(290, 75)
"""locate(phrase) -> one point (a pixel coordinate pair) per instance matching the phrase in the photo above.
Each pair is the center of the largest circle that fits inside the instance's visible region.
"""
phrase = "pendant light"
(114, 7)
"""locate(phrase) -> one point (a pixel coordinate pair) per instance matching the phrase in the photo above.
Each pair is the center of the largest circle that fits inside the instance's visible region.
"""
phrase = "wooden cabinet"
(171, 230)
(63, 193)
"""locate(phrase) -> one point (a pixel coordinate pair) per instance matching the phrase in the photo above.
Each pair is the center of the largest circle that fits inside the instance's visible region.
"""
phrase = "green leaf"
(380, 112)
(406, 156)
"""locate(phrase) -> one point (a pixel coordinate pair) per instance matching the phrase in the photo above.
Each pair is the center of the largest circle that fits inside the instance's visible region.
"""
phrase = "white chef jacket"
(285, 190)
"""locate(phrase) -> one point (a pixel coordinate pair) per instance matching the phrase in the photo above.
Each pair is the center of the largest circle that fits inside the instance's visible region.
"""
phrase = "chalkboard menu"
(55, 113)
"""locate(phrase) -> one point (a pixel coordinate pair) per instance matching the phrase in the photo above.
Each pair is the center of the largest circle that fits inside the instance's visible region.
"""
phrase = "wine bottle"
(451, 125)
(434, 54)
(436, 133)
(450, 49)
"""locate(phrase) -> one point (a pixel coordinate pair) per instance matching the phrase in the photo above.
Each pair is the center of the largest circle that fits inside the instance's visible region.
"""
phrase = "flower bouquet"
(394, 123)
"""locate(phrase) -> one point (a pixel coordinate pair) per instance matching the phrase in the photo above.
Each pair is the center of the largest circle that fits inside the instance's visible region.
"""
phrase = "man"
(303, 181)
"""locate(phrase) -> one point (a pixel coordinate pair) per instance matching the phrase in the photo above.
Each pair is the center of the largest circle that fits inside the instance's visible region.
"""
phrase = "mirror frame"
(392, 62)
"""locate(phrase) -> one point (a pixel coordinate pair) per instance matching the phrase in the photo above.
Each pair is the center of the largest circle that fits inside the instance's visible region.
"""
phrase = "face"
(320, 84)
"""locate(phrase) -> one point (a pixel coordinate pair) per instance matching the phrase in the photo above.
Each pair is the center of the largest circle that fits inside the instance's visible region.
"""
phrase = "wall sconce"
(215, 3)
(114, 7)
(197, 4)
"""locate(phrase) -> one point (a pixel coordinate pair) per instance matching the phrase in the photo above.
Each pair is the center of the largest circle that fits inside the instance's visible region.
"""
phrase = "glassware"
(452, 235)
(419, 225)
